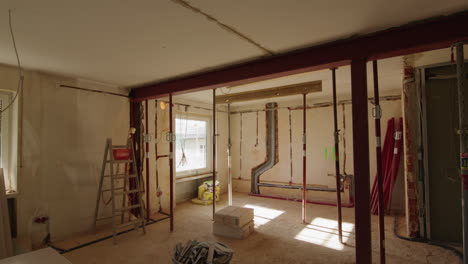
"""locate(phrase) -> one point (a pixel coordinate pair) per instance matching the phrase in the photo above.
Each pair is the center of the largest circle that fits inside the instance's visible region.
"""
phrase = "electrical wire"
(426, 241)
(20, 69)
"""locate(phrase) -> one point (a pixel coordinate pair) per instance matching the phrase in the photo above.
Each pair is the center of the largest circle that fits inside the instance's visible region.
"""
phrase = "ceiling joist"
(300, 88)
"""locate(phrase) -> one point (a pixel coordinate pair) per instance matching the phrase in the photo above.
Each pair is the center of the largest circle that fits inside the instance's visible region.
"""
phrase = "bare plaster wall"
(63, 139)
(320, 161)
(183, 189)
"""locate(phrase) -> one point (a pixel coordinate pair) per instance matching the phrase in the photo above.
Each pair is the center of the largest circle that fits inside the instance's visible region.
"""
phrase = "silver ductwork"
(271, 116)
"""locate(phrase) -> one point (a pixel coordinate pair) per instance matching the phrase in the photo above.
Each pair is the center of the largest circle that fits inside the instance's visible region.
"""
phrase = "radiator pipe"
(345, 205)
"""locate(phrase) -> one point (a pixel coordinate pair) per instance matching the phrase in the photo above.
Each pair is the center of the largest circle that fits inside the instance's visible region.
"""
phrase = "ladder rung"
(120, 147)
(122, 176)
(119, 161)
(127, 192)
(108, 190)
(109, 217)
(137, 221)
(128, 208)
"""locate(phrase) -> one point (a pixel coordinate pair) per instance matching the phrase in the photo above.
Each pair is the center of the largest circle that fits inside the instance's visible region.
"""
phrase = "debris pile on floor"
(234, 222)
(194, 252)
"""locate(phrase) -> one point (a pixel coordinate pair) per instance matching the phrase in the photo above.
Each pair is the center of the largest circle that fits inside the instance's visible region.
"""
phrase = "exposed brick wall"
(410, 150)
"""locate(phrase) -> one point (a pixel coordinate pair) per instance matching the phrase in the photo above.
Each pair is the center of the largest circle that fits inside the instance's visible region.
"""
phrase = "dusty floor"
(279, 238)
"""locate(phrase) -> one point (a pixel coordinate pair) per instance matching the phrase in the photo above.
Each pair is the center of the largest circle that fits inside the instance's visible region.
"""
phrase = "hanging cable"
(20, 69)
(423, 240)
(183, 159)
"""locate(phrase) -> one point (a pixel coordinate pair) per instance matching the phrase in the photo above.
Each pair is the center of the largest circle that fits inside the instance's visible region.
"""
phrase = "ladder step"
(128, 208)
(108, 190)
(127, 192)
(119, 161)
(133, 222)
(109, 217)
(120, 147)
(122, 176)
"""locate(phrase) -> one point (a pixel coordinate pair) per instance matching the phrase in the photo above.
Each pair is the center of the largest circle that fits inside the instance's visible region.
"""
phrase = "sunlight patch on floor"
(263, 215)
(324, 232)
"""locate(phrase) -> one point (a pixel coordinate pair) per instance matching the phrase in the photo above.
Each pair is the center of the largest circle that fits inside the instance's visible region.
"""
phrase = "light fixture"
(162, 105)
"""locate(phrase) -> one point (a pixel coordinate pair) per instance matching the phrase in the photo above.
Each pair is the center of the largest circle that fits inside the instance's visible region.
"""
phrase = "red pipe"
(304, 161)
(346, 205)
(171, 166)
(214, 152)
(337, 158)
(378, 152)
(148, 209)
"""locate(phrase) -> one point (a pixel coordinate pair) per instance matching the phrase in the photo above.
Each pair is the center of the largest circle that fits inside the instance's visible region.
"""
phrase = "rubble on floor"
(194, 252)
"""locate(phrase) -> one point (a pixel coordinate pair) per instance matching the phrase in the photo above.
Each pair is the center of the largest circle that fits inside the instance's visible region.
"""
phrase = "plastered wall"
(61, 148)
(320, 161)
(182, 190)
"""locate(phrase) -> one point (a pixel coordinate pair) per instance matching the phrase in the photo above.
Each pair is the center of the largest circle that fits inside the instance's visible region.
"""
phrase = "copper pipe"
(337, 159)
(379, 163)
(148, 209)
(171, 165)
(214, 152)
(304, 159)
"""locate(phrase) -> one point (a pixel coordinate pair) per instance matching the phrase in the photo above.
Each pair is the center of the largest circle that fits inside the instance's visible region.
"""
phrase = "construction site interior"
(187, 131)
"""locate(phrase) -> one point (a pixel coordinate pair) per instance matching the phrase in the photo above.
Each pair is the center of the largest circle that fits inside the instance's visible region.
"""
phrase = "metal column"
(377, 113)
(214, 152)
(337, 159)
(463, 131)
(171, 164)
(304, 158)
(361, 161)
(229, 156)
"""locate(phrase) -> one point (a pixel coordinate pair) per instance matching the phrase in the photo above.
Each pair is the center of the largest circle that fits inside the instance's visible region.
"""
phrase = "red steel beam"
(361, 161)
(411, 38)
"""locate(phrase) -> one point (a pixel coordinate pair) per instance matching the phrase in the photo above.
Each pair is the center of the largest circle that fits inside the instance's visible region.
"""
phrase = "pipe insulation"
(272, 159)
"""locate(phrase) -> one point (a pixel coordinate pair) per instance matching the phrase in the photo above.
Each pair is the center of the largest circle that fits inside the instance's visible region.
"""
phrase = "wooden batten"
(300, 88)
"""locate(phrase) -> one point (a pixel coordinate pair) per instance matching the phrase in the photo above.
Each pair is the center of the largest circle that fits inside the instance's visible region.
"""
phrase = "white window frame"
(209, 158)
(6, 141)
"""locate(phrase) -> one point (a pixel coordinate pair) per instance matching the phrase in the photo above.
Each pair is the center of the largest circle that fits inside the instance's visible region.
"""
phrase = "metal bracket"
(170, 137)
(398, 135)
(377, 112)
(147, 138)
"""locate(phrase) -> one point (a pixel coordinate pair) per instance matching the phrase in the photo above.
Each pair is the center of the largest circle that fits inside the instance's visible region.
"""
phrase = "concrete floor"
(279, 238)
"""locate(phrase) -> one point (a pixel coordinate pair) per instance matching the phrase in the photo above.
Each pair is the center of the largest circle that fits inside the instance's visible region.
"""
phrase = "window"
(6, 142)
(192, 153)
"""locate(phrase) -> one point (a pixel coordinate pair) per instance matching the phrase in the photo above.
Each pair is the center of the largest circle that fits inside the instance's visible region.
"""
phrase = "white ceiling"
(128, 43)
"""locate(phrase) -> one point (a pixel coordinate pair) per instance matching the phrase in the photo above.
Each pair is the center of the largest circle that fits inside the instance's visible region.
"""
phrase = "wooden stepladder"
(115, 155)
